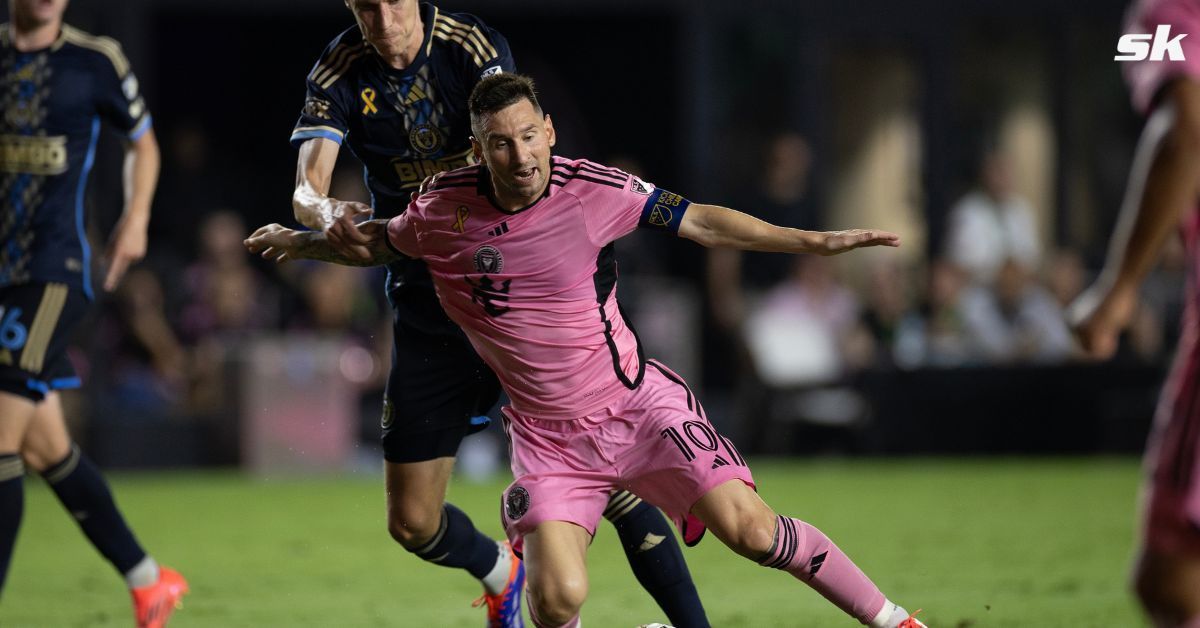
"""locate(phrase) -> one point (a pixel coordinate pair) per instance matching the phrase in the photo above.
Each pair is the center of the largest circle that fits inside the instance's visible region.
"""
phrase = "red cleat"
(153, 604)
(504, 608)
(912, 621)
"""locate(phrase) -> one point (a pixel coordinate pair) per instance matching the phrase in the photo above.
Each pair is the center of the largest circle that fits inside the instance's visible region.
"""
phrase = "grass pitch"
(983, 543)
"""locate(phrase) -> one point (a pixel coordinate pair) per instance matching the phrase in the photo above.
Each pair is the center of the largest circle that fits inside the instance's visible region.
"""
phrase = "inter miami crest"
(516, 502)
(488, 260)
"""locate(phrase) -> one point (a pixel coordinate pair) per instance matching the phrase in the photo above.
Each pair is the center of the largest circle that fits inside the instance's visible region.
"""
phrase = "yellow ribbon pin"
(460, 225)
(368, 97)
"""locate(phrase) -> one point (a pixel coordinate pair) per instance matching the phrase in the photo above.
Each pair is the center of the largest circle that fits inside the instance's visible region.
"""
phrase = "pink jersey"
(535, 289)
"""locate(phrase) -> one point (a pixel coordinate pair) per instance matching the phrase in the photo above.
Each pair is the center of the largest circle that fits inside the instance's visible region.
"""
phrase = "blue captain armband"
(664, 210)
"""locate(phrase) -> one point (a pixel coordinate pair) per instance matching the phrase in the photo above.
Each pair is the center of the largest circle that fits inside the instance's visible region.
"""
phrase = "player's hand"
(126, 246)
(1098, 316)
(425, 185)
(341, 229)
(835, 242)
(274, 242)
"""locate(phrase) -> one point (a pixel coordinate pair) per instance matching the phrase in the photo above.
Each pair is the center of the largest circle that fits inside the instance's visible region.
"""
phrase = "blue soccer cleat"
(504, 608)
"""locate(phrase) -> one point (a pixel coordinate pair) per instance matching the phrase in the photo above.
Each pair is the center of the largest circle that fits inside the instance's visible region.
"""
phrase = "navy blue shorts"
(438, 392)
(36, 323)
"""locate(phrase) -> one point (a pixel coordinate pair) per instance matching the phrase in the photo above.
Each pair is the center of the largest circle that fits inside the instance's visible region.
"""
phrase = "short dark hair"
(497, 92)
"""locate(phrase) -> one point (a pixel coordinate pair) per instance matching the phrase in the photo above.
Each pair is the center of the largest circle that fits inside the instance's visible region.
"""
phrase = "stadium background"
(244, 397)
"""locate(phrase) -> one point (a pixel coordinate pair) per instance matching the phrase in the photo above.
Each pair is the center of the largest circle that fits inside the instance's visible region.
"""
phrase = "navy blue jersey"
(404, 125)
(52, 102)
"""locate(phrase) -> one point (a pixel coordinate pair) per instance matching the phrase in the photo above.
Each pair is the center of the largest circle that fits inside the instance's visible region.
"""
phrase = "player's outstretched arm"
(278, 243)
(721, 227)
(1164, 181)
(315, 209)
(127, 244)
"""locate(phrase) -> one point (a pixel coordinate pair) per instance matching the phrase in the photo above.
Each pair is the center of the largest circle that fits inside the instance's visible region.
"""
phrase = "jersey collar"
(484, 188)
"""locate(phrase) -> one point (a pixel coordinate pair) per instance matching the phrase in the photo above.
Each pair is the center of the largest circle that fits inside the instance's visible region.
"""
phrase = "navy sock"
(84, 493)
(12, 505)
(458, 544)
(656, 559)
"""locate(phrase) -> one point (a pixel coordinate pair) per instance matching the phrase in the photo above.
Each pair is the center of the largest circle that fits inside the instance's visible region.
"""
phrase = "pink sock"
(806, 553)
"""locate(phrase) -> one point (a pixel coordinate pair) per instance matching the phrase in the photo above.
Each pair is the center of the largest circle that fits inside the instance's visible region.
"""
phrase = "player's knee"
(413, 526)
(750, 533)
(557, 601)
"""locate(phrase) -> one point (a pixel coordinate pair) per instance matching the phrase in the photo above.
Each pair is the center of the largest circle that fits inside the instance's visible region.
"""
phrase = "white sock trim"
(497, 578)
(883, 619)
(143, 574)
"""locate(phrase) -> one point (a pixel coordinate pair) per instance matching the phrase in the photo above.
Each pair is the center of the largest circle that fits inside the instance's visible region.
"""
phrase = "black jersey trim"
(605, 280)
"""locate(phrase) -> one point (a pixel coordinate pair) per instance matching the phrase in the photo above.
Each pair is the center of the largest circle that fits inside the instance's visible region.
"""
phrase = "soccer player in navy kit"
(57, 84)
(395, 90)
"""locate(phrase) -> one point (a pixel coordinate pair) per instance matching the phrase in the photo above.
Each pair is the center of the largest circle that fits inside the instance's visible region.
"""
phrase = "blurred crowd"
(993, 293)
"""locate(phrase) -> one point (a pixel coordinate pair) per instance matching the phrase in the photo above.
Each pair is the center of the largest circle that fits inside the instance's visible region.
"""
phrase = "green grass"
(974, 542)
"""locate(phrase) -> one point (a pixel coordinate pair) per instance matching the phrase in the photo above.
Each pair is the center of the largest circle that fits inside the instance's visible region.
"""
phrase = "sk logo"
(368, 98)
(460, 223)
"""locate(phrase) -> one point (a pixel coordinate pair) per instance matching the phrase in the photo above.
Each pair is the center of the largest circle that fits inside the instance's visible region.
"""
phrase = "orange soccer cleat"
(153, 604)
(504, 608)
(912, 621)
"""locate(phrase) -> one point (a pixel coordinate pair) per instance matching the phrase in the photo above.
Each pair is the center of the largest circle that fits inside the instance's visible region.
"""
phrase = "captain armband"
(663, 210)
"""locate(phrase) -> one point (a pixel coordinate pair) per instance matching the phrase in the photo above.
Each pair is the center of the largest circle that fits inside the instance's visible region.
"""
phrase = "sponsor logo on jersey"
(425, 138)
(27, 154)
(516, 502)
(488, 260)
(413, 172)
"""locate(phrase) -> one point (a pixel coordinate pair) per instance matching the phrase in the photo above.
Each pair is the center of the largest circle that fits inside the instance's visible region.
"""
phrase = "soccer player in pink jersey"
(521, 252)
(1161, 198)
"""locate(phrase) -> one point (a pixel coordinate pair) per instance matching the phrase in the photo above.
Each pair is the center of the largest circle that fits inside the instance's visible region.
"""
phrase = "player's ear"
(550, 137)
(476, 149)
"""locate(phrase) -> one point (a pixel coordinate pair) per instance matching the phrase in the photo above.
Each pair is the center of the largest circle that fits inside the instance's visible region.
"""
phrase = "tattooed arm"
(276, 242)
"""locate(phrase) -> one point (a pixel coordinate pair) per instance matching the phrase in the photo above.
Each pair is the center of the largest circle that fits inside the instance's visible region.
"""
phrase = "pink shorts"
(1147, 78)
(1171, 500)
(655, 442)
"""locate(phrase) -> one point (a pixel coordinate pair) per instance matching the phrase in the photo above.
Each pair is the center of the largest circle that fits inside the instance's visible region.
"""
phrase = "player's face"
(388, 25)
(33, 13)
(516, 148)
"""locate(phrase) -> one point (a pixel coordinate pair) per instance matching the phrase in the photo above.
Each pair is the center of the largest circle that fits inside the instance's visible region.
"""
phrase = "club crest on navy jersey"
(425, 139)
